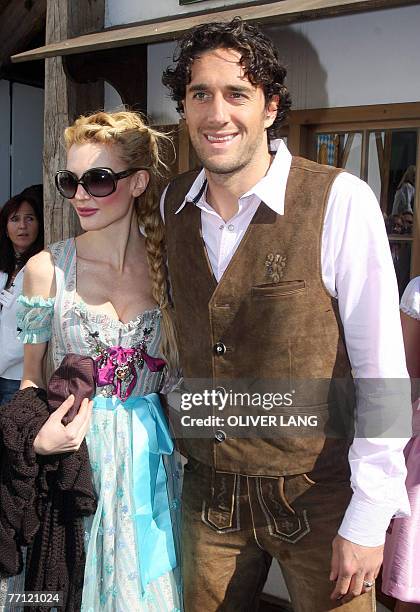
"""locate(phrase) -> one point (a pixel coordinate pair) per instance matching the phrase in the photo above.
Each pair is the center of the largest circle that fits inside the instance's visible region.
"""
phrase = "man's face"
(397, 225)
(407, 222)
(226, 115)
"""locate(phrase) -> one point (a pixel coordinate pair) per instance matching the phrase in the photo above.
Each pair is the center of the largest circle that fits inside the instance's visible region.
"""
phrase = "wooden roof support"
(64, 100)
(387, 148)
(262, 11)
(20, 23)
(346, 151)
(125, 69)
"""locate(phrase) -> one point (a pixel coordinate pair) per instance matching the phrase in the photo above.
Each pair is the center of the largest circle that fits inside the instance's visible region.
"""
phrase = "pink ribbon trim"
(118, 357)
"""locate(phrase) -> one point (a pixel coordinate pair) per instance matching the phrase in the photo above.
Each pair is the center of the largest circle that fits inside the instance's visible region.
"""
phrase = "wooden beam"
(64, 100)
(364, 158)
(356, 114)
(294, 138)
(274, 11)
(346, 151)
(387, 167)
(370, 125)
(380, 153)
(184, 146)
(20, 23)
(116, 66)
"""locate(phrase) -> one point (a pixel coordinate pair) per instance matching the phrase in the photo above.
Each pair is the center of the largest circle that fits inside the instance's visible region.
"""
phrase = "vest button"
(219, 348)
(219, 436)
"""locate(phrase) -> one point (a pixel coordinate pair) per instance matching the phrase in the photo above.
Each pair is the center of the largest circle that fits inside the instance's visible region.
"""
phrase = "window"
(381, 145)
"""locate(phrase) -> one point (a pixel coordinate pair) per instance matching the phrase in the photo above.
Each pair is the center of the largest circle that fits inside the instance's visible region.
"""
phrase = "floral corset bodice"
(126, 354)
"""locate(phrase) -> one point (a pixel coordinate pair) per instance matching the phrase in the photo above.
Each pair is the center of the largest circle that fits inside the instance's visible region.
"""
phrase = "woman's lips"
(86, 212)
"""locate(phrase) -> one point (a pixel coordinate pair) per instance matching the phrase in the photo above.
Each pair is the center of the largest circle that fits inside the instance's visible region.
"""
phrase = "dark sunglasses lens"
(99, 182)
(66, 184)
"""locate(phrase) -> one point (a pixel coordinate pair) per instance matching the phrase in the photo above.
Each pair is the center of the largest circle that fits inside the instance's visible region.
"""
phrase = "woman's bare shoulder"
(39, 277)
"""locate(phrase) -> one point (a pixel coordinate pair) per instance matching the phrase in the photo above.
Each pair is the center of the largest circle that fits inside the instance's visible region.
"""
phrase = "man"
(280, 269)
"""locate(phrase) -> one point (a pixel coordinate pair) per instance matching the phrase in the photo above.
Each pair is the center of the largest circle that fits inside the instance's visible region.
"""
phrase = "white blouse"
(11, 349)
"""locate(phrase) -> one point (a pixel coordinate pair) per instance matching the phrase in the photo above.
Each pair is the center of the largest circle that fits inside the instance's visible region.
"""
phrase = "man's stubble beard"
(230, 167)
(227, 170)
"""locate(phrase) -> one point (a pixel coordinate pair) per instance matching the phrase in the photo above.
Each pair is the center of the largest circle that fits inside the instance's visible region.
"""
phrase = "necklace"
(18, 265)
(18, 261)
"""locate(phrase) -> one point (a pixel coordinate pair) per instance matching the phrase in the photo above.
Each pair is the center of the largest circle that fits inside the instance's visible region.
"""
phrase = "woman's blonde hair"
(138, 146)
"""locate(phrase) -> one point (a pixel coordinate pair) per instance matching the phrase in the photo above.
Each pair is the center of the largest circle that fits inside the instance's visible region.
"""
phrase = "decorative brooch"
(117, 366)
(274, 266)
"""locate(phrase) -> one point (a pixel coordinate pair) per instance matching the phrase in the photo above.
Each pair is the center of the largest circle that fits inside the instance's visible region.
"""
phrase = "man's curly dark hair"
(259, 59)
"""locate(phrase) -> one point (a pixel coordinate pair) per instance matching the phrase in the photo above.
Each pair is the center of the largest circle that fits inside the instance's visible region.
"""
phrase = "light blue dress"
(132, 540)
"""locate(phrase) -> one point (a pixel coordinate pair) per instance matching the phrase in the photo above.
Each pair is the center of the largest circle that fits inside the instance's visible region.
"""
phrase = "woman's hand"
(54, 437)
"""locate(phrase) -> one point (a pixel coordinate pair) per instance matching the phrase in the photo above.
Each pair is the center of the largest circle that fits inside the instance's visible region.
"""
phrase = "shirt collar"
(270, 189)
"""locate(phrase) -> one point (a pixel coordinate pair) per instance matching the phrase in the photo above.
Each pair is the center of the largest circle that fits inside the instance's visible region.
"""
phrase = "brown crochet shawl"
(43, 500)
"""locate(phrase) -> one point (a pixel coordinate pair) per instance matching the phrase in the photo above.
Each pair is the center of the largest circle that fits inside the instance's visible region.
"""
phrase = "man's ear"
(271, 110)
(140, 181)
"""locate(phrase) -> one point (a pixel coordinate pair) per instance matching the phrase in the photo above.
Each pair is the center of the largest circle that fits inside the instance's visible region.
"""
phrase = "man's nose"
(219, 109)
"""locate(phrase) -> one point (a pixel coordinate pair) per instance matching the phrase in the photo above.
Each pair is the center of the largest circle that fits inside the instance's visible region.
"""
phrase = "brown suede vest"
(272, 317)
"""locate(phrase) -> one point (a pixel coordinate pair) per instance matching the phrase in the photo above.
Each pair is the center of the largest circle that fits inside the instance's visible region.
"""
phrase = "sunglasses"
(97, 182)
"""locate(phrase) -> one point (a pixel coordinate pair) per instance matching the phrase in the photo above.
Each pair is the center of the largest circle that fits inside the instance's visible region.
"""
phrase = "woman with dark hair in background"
(21, 237)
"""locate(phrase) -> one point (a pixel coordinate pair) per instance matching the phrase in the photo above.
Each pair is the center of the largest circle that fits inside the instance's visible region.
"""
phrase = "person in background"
(401, 577)
(21, 236)
(407, 218)
(404, 196)
(394, 224)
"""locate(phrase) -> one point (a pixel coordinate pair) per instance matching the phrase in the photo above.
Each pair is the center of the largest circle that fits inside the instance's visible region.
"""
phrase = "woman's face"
(23, 227)
(96, 213)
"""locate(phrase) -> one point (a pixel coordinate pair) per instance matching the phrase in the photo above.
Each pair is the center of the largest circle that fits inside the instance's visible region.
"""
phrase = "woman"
(401, 575)
(21, 236)
(103, 294)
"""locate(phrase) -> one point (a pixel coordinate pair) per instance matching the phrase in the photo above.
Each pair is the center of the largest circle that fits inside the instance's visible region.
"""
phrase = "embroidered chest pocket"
(278, 290)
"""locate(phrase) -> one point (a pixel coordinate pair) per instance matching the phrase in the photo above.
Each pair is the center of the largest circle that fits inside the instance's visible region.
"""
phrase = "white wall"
(368, 58)
(159, 106)
(27, 136)
(112, 99)
(21, 137)
(4, 141)
(127, 11)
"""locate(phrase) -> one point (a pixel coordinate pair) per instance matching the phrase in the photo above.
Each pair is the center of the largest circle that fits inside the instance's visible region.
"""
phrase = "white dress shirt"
(357, 269)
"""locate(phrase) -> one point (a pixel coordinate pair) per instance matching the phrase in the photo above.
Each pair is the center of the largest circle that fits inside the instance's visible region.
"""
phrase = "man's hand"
(54, 437)
(351, 565)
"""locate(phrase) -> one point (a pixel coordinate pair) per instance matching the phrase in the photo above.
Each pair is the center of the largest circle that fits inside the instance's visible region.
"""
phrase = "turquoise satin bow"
(152, 517)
